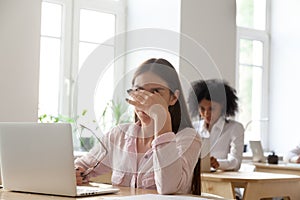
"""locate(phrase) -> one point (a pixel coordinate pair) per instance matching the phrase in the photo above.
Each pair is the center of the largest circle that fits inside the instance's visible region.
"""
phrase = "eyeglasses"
(100, 158)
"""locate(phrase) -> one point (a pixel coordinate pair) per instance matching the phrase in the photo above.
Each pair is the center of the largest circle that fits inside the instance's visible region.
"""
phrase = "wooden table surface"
(283, 168)
(124, 191)
(257, 184)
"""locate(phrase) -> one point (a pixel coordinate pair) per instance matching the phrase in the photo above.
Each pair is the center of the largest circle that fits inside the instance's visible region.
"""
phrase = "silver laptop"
(257, 151)
(38, 158)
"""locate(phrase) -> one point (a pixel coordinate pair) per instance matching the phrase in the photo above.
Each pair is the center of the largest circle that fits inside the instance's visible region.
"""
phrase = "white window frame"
(70, 45)
(264, 37)
(108, 6)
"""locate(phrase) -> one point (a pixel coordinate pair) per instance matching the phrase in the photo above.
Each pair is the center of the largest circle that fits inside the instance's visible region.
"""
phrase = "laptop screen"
(257, 151)
(37, 157)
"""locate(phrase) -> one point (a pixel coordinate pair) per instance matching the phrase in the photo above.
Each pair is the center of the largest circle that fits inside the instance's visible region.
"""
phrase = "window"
(252, 14)
(50, 58)
(71, 30)
(252, 65)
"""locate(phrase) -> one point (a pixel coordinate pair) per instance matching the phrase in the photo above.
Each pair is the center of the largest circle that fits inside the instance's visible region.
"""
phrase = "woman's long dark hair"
(179, 113)
(196, 182)
(165, 70)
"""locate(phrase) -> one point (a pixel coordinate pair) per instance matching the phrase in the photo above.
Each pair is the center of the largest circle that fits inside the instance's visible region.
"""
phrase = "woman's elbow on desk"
(166, 190)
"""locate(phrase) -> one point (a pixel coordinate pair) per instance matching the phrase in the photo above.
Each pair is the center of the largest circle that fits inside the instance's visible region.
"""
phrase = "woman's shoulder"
(123, 130)
(188, 132)
(232, 124)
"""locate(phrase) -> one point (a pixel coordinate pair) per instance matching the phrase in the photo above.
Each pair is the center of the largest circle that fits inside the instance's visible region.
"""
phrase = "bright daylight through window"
(252, 65)
(70, 32)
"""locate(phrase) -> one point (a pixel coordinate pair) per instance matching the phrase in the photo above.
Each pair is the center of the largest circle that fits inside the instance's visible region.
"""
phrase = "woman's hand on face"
(151, 103)
(155, 106)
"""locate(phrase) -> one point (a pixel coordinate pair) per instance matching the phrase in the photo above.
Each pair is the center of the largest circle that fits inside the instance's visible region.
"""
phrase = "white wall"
(211, 25)
(152, 14)
(284, 75)
(19, 59)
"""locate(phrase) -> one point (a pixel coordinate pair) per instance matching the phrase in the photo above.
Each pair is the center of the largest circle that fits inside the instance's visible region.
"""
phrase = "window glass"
(50, 59)
(251, 52)
(103, 96)
(70, 32)
(251, 14)
(250, 86)
(49, 76)
(250, 92)
(96, 27)
(85, 49)
(51, 19)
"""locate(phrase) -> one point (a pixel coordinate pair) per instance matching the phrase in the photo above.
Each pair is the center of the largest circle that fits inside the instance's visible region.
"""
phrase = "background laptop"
(205, 156)
(205, 163)
(257, 151)
(38, 158)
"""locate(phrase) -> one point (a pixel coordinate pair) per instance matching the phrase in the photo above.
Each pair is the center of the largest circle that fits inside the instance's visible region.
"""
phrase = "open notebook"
(38, 158)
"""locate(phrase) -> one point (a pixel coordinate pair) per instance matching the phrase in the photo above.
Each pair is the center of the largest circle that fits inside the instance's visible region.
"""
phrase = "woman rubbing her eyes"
(161, 149)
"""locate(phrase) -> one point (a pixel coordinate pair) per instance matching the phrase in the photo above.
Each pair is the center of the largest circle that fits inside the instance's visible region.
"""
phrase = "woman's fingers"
(140, 96)
(214, 163)
(144, 97)
(153, 104)
(79, 177)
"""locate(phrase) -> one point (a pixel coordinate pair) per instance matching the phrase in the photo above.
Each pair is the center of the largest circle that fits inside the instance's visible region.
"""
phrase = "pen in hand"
(86, 172)
(81, 173)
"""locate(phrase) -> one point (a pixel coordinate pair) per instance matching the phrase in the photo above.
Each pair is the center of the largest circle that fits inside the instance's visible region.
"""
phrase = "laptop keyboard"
(90, 190)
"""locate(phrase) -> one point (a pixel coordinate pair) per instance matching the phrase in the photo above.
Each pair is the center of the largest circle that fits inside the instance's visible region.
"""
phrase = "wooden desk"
(257, 184)
(124, 191)
(282, 168)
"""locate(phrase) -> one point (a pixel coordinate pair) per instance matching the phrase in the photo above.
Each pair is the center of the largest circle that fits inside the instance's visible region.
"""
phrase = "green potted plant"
(114, 113)
(85, 143)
